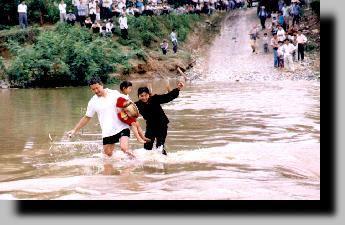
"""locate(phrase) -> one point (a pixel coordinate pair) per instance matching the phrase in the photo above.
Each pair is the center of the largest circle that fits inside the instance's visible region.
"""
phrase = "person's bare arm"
(83, 121)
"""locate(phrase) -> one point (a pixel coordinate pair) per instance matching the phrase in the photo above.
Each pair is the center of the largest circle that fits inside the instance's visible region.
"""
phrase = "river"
(241, 131)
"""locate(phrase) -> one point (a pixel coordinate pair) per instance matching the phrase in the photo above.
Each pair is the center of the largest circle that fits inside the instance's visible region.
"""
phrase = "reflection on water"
(224, 139)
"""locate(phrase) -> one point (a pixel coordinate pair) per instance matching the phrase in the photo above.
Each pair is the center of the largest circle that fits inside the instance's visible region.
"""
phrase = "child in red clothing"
(129, 112)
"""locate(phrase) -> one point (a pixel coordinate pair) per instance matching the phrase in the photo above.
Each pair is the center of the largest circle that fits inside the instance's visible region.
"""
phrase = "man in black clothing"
(156, 121)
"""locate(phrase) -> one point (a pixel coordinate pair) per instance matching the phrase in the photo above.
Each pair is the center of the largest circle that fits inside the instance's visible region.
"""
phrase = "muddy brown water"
(249, 139)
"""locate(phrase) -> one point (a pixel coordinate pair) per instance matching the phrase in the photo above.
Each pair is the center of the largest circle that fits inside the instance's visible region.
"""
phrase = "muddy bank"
(161, 66)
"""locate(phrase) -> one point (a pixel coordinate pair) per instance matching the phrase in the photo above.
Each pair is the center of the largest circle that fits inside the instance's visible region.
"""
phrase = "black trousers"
(295, 19)
(263, 20)
(93, 17)
(158, 133)
(124, 33)
(82, 20)
(301, 51)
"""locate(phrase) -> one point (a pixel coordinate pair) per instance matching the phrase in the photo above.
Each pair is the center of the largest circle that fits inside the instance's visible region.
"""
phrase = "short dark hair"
(142, 90)
(94, 80)
(125, 84)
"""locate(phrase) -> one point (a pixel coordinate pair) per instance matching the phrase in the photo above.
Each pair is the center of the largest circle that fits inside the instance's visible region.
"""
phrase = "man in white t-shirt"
(23, 16)
(281, 33)
(62, 9)
(123, 25)
(104, 104)
(287, 50)
(301, 40)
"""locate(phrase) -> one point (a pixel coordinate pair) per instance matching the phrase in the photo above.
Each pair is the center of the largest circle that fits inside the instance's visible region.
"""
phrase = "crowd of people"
(288, 41)
(100, 16)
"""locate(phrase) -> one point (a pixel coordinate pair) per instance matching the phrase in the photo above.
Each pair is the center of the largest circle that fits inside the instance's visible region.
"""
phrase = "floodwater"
(250, 139)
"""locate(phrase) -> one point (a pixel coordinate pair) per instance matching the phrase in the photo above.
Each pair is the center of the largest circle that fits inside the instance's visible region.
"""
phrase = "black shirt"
(152, 110)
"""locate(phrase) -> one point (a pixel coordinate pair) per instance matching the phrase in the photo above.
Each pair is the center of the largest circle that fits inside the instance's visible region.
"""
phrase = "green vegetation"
(2, 69)
(39, 11)
(65, 55)
(315, 6)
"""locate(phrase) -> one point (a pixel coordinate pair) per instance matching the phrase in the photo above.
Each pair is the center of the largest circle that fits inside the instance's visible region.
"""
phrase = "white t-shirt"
(287, 49)
(301, 39)
(281, 34)
(62, 8)
(123, 22)
(107, 3)
(22, 8)
(105, 107)
(109, 26)
(92, 8)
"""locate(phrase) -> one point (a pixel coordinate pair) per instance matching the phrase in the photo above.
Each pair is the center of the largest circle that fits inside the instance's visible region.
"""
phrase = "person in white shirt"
(287, 50)
(274, 16)
(103, 104)
(280, 55)
(301, 40)
(62, 9)
(23, 16)
(173, 37)
(109, 27)
(92, 10)
(123, 26)
(281, 33)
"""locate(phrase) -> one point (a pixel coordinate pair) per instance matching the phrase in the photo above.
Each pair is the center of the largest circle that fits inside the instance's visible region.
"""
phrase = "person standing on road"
(263, 15)
(287, 50)
(254, 33)
(275, 46)
(301, 40)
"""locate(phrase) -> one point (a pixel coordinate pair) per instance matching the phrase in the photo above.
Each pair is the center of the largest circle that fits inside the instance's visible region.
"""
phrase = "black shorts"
(115, 138)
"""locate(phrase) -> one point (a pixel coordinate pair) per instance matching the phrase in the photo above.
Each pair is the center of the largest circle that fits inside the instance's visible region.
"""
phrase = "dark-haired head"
(94, 80)
(143, 90)
(125, 84)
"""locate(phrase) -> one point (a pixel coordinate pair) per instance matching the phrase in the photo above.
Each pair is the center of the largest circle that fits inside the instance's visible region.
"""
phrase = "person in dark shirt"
(149, 107)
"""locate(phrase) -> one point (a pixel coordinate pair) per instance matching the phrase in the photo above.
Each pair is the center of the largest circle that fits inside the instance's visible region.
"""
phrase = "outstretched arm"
(170, 95)
(83, 121)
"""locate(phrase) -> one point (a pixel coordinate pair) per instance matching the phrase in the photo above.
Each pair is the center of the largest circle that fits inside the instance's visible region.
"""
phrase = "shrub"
(19, 35)
(70, 55)
(2, 69)
(147, 38)
(310, 47)
(66, 56)
(315, 6)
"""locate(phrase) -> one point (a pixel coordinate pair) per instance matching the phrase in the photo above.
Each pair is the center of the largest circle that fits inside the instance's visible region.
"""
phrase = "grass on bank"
(67, 55)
